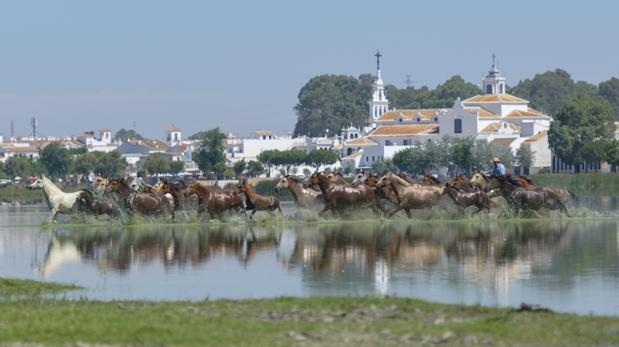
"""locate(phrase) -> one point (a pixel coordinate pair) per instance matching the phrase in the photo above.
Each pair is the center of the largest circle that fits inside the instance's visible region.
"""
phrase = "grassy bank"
(587, 183)
(314, 321)
(21, 195)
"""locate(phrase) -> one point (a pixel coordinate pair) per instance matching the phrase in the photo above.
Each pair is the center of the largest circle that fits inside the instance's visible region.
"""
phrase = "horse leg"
(408, 213)
(398, 209)
(52, 216)
(253, 212)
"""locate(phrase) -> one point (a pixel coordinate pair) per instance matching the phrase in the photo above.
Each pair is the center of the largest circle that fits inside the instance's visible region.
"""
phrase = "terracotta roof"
(496, 98)
(20, 149)
(264, 132)
(105, 130)
(495, 126)
(537, 136)
(405, 129)
(482, 112)
(361, 141)
(173, 128)
(503, 142)
(530, 113)
(423, 113)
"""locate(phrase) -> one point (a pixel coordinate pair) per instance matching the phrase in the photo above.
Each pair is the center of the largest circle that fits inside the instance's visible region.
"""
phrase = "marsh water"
(565, 265)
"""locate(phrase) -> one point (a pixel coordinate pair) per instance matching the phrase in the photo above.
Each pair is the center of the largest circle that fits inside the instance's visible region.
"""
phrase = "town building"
(493, 116)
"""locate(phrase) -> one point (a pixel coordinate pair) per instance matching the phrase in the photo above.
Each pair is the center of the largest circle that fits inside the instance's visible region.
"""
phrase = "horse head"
(283, 183)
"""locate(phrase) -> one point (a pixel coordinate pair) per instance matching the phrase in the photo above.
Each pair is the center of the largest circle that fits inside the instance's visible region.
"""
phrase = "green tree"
(318, 157)
(254, 168)
(609, 90)
(86, 163)
(156, 163)
(332, 102)
(211, 156)
(177, 166)
(584, 119)
(127, 134)
(55, 159)
(239, 167)
(18, 167)
(382, 167)
(461, 154)
(524, 158)
(550, 90)
(111, 164)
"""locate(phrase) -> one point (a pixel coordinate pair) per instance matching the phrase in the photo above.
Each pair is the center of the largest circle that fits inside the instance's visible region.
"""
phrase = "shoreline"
(347, 321)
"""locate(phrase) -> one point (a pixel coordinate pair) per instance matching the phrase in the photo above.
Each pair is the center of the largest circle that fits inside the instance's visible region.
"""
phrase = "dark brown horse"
(429, 180)
(342, 196)
(462, 199)
(179, 192)
(215, 202)
(88, 203)
(522, 199)
(565, 195)
(461, 183)
(382, 193)
(152, 203)
(258, 202)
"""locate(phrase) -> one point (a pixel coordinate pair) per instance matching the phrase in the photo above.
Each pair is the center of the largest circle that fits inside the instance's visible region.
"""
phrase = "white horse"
(57, 200)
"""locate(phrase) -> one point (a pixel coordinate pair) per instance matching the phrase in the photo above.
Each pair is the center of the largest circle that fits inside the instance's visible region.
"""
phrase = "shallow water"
(566, 265)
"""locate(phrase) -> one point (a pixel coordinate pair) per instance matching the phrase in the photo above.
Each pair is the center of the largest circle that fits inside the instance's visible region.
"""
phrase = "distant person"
(499, 169)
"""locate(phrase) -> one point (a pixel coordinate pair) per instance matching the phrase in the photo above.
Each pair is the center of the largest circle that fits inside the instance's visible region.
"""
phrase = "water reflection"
(565, 265)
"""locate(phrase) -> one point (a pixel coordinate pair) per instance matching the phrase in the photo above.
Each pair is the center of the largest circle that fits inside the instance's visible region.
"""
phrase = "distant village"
(495, 116)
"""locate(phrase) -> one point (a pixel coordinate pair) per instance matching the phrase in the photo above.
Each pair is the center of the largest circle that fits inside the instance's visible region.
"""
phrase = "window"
(388, 143)
(418, 119)
(457, 126)
(372, 158)
(367, 159)
(502, 88)
(436, 119)
(489, 89)
(405, 143)
(349, 151)
(400, 120)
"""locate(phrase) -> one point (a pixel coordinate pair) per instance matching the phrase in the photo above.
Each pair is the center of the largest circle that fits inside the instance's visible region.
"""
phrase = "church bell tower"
(379, 103)
(494, 81)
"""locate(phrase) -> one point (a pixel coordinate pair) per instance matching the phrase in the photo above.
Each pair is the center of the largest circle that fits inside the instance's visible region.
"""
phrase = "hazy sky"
(81, 65)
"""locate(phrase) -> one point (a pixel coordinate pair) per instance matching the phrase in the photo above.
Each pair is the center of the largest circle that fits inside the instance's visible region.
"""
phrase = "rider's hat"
(496, 160)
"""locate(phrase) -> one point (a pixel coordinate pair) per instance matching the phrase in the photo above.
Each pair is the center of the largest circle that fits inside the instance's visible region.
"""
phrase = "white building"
(103, 143)
(241, 148)
(493, 116)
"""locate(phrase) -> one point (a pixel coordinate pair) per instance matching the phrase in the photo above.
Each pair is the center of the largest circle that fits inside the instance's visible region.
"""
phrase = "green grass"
(28, 288)
(21, 195)
(586, 183)
(326, 321)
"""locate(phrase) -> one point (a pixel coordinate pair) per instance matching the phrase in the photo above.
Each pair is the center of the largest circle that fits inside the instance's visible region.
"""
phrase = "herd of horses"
(324, 192)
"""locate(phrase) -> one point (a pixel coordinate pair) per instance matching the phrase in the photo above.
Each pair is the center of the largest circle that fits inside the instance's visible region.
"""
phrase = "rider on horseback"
(499, 169)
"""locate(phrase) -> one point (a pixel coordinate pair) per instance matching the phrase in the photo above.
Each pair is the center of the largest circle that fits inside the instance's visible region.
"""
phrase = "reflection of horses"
(342, 196)
(477, 198)
(522, 199)
(410, 197)
(151, 203)
(57, 200)
(304, 197)
(216, 202)
(259, 202)
(87, 202)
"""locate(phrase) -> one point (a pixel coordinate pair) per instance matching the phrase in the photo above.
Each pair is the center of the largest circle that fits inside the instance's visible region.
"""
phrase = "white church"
(494, 116)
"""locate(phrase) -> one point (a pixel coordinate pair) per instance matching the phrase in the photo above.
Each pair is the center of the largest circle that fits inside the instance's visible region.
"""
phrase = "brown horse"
(484, 182)
(565, 195)
(410, 196)
(476, 198)
(177, 190)
(87, 202)
(258, 202)
(429, 180)
(461, 183)
(341, 196)
(522, 199)
(152, 203)
(304, 197)
(215, 202)
(407, 178)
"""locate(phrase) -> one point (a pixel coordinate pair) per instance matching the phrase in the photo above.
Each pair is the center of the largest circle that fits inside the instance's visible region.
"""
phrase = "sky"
(84, 65)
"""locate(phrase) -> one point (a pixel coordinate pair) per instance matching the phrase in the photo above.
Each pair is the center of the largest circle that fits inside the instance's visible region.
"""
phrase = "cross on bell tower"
(379, 103)
(494, 81)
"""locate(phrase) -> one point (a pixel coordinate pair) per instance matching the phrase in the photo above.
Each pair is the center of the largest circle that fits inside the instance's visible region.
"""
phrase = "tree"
(111, 164)
(86, 163)
(584, 119)
(55, 159)
(382, 167)
(550, 90)
(332, 102)
(461, 154)
(254, 168)
(156, 163)
(19, 166)
(125, 135)
(211, 156)
(177, 166)
(239, 167)
(609, 90)
(318, 157)
(524, 158)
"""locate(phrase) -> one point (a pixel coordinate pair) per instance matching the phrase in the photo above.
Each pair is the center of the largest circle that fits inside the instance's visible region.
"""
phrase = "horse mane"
(400, 180)
(47, 182)
(526, 179)
(432, 179)
(293, 179)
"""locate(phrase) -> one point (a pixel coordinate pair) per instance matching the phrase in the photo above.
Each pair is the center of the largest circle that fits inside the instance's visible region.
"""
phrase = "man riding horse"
(499, 169)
